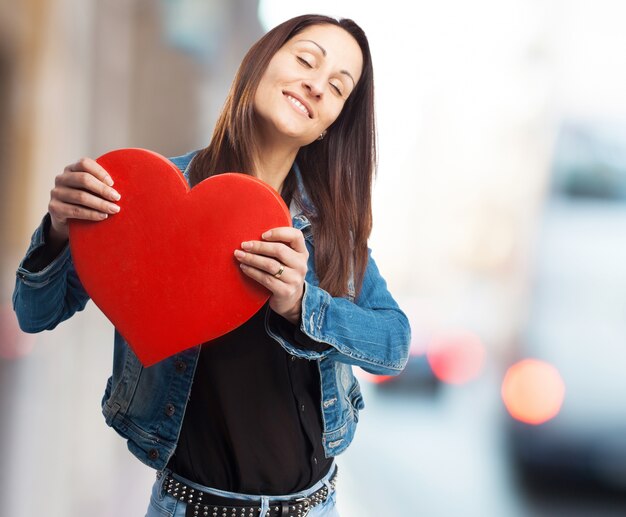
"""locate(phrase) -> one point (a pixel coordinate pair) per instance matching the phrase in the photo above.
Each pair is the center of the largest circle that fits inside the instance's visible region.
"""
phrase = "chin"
(294, 135)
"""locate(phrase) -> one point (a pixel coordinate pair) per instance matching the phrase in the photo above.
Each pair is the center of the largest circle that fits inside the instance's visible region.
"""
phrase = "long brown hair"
(337, 171)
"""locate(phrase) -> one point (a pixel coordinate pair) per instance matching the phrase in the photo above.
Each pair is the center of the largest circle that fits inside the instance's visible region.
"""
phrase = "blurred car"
(575, 328)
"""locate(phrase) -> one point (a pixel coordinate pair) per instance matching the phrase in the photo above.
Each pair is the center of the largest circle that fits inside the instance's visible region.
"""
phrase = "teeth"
(298, 105)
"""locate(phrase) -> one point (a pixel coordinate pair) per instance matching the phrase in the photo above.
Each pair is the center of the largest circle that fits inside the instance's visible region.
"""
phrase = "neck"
(273, 163)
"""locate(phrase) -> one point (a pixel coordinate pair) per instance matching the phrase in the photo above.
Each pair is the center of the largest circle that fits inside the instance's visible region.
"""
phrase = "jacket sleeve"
(47, 289)
(293, 333)
(371, 332)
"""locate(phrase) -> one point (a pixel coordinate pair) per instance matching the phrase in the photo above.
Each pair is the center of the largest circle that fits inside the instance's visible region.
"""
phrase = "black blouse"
(253, 423)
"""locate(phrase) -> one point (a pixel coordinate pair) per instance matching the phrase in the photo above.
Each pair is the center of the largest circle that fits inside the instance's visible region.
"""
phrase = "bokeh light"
(456, 357)
(533, 391)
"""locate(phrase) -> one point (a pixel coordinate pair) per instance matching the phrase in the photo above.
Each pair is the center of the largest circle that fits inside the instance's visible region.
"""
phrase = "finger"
(267, 265)
(86, 181)
(65, 211)
(262, 277)
(280, 289)
(93, 167)
(84, 199)
(292, 236)
(278, 250)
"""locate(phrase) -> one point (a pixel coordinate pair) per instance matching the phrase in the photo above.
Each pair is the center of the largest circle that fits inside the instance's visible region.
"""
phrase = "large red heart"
(162, 269)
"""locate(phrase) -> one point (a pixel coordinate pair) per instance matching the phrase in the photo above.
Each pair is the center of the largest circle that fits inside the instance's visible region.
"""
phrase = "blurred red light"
(456, 357)
(533, 391)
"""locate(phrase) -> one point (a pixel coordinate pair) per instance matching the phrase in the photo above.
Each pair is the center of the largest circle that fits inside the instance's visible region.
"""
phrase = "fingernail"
(242, 266)
(109, 181)
(239, 254)
(115, 208)
(104, 216)
(267, 234)
(246, 245)
(116, 195)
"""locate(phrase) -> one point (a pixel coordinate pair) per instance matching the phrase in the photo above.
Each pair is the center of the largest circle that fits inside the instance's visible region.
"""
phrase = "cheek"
(275, 71)
(333, 113)
(268, 81)
(263, 95)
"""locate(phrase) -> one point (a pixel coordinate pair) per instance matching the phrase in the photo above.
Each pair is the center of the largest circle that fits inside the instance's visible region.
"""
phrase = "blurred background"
(500, 212)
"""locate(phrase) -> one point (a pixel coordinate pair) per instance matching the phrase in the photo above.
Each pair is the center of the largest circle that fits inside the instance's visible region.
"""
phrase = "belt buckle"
(306, 503)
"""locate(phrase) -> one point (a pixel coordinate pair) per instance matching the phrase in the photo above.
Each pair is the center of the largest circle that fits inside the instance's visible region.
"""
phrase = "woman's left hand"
(279, 262)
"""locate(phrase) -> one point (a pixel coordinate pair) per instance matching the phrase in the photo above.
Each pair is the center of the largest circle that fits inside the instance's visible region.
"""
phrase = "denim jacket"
(146, 405)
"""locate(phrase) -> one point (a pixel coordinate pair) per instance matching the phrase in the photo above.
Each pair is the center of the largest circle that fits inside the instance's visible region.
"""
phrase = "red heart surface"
(162, 269)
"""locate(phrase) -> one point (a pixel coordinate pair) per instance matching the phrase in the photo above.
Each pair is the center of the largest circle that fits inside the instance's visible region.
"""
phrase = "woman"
(250, 424)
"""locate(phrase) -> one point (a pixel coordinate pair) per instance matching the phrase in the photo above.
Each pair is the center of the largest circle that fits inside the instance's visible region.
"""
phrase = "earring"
(321, 137)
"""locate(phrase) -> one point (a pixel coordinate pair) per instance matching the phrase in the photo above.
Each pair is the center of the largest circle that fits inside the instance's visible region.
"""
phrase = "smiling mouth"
(298, 105)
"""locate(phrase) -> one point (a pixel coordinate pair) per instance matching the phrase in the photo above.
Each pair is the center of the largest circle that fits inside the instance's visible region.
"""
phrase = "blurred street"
(443, 456)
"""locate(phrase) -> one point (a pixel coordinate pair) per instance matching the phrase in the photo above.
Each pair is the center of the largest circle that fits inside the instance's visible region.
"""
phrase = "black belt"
(205, 504)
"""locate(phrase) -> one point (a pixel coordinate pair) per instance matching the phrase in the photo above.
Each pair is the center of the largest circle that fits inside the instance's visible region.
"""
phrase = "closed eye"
(304, 62)
(337, 89)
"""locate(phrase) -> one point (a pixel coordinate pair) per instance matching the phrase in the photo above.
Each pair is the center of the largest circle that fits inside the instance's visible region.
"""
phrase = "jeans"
(164, 505)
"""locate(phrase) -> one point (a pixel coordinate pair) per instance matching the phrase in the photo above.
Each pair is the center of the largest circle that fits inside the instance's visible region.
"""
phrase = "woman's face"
(307, 83)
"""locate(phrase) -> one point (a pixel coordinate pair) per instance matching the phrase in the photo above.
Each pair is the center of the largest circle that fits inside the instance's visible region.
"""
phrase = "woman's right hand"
(82, 191)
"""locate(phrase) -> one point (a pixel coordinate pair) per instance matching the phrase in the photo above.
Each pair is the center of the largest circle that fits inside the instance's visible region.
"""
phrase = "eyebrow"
(323, 50)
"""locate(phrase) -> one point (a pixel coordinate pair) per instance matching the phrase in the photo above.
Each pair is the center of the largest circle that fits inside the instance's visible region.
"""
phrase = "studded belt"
(205, 504)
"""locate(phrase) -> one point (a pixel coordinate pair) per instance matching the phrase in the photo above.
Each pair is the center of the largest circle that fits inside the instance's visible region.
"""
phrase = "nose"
(314, 87)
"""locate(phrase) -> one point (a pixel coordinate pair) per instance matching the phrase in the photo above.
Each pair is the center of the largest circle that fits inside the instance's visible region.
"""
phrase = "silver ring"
(280, 271)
